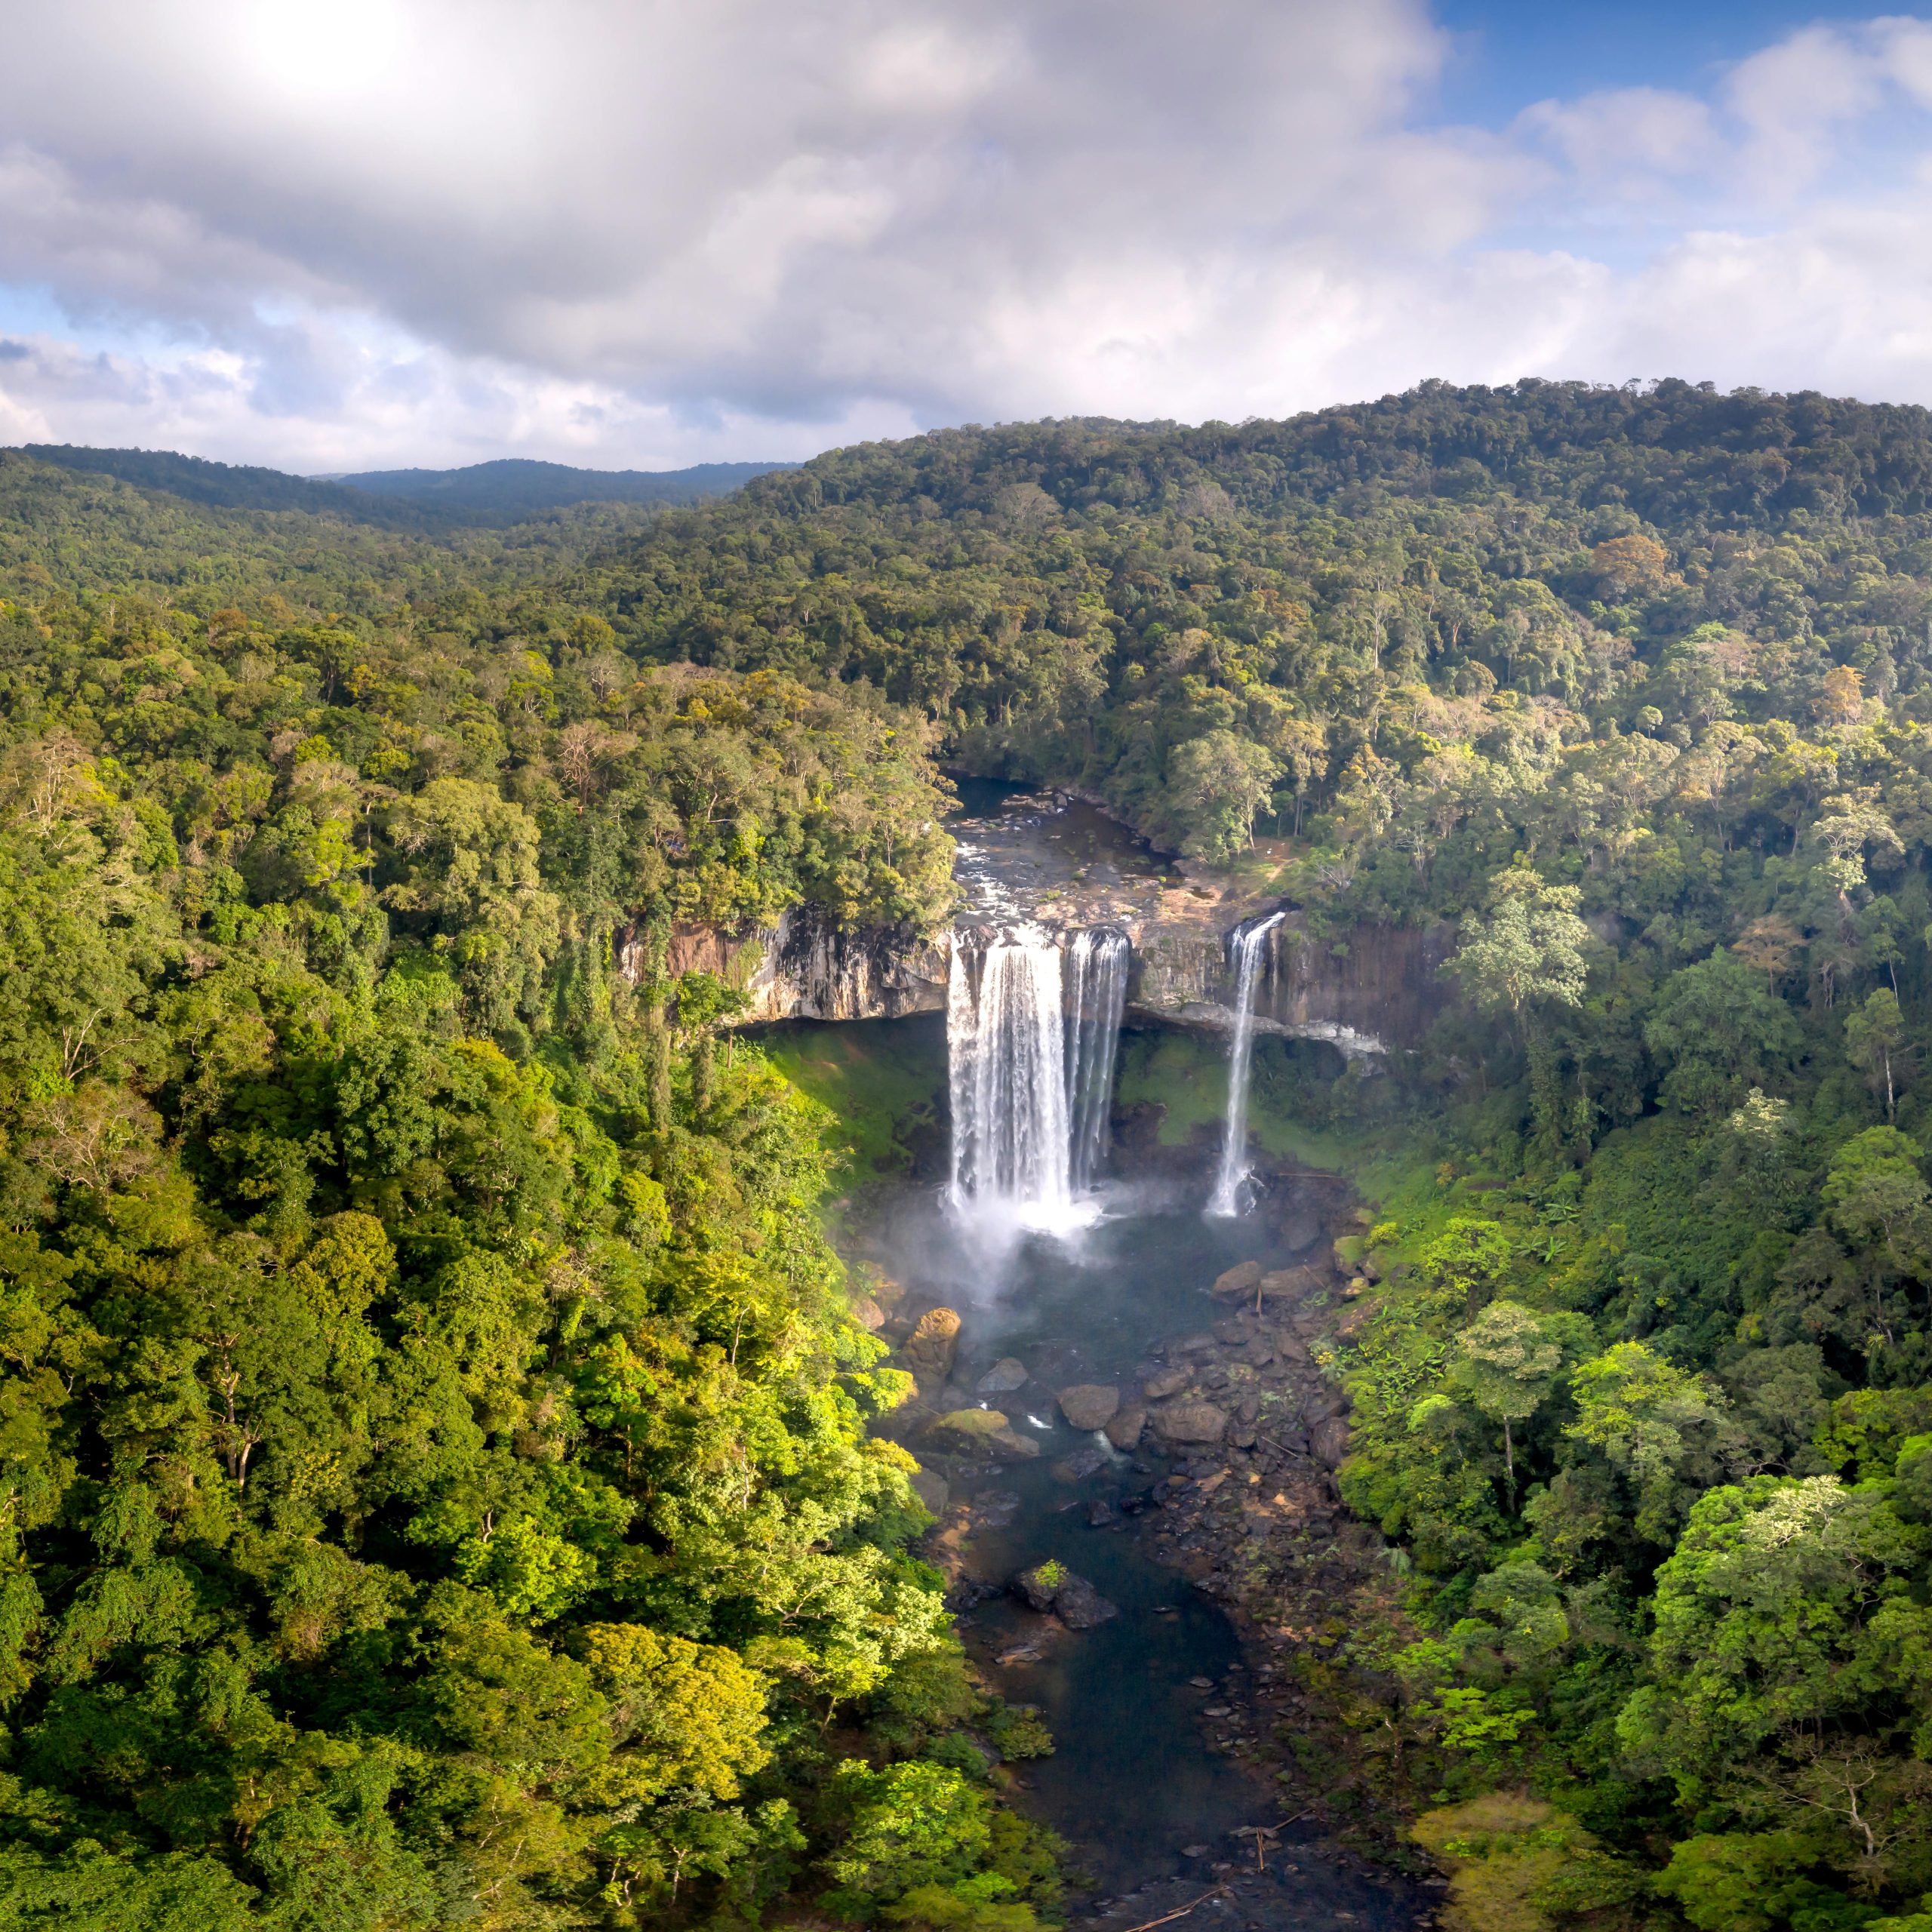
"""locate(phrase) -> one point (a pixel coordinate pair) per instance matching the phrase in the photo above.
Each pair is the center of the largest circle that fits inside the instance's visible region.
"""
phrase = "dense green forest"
(436, 1483)
(495, 495)
(438, 1488)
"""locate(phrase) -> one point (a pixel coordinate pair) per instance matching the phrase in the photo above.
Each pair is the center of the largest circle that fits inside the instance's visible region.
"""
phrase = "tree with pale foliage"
(1527, 949)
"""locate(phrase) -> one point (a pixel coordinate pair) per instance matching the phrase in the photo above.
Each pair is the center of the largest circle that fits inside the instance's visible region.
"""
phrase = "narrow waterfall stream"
(1096, 993)
(1245, 946)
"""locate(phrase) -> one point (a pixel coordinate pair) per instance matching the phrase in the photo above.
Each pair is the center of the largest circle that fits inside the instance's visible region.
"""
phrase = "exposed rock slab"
(1006, 1375)
(933, 1344)
(1188, 1422)
(1089, 1405)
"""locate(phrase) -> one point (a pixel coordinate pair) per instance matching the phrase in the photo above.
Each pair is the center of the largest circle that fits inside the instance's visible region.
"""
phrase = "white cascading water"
(1095, 995)
(1030, 1031)
(1246, 945)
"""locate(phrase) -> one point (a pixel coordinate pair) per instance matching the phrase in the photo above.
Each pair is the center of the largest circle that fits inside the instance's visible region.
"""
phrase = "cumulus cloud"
(334, 233)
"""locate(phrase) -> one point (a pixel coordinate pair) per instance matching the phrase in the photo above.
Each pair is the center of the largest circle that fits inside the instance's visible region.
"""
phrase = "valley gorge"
(1116, 1379)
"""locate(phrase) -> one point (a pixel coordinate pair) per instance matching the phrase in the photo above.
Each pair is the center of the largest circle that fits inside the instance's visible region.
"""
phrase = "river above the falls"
(1021, 854)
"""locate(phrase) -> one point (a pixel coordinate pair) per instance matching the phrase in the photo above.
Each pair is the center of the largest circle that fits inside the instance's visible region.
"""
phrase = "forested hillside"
(513, 487)
(1633, 684)
(483, 495)
(432, 1437)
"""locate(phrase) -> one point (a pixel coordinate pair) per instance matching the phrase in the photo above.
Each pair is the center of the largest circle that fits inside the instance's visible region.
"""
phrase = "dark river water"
(1134, 1784)
(1132, 1781)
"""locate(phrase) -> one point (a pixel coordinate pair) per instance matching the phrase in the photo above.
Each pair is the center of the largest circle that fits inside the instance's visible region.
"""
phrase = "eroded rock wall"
(1375, 992)
(807, 969)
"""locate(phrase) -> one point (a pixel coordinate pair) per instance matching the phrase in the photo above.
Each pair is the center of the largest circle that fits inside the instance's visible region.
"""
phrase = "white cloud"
(333, 233)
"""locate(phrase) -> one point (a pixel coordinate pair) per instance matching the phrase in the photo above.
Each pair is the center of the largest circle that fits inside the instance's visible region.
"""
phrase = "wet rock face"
(1089, 1405)
(930, 1348)
(807, 968)
(1378, 989)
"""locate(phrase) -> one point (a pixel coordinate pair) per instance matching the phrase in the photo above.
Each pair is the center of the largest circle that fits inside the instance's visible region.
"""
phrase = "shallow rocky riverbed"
(1129, 1440)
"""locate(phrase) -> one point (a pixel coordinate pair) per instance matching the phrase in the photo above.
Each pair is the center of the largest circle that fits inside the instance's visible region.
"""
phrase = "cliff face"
(1375, 993)
(807, 969)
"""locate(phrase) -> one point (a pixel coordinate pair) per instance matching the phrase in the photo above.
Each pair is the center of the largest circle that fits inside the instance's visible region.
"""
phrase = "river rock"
(1005, 1376)
(1052, 1586)
(1011, 1442)
(1291, 1284)
(1166, 1381)
(1241, 1280)
(1089, 1405)
(1088, 1459)
(1319, 1404)
(970, 1424)
(1080, 1607)
(933, 1490)
(1124, 1429)
(1329, 1441)
(932, 1344)
(1189, 1422)
(868, 1314)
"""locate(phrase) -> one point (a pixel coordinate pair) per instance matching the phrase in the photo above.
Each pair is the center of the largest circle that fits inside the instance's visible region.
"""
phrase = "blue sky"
(337, 234)
(1512, 52)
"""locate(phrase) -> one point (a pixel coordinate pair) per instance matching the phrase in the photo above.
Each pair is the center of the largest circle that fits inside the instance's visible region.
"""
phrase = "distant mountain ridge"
(502, 492)
(522, 484)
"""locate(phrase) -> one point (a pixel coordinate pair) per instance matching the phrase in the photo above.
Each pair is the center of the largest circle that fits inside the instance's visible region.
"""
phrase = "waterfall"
(1095, 992)
(1245, 951)
(1030, 1029)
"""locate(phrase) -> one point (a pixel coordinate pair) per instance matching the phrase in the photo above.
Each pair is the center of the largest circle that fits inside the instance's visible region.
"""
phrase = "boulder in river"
(868, 1314)
(1124, 1430)
(972, 1425)
(983, 1432)
(1089, 1405)
(1188, 1422)
(1239, 1280)
(1052, 1585)
(1165, 1382)
(1088, 1459)
(932, 1344)
(1006, 1375)
(1290, 1283)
